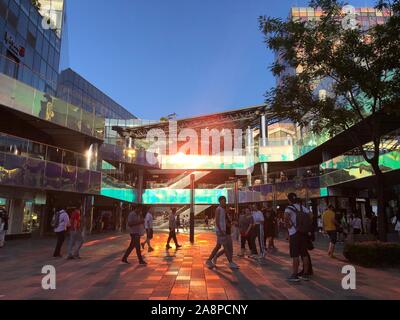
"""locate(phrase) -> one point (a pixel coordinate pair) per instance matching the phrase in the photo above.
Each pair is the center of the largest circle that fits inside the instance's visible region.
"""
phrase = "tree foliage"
(359, 68)
(358, 71)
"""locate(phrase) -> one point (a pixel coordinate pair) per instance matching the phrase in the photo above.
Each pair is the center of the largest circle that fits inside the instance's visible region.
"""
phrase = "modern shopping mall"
(64, 142)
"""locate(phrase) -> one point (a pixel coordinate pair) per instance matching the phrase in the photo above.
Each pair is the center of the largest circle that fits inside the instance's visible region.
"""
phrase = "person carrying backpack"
(60, 223)
(299, 224)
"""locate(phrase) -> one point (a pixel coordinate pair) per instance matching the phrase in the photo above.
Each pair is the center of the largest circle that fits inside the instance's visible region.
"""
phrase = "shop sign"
(13, 46)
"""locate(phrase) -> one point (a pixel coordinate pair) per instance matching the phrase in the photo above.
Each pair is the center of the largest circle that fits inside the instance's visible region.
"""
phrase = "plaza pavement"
(178, 274)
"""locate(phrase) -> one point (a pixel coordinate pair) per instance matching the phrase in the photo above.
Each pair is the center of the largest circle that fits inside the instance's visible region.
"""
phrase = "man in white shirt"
(148, 225)
(60, 223)
(258, 219)
(224, 238)
(297, 240)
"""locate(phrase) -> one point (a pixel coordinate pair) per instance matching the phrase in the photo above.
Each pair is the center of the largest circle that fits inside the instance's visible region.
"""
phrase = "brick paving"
(178, 275)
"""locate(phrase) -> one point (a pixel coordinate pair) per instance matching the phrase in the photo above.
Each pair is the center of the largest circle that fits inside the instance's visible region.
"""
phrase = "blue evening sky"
(156, 57)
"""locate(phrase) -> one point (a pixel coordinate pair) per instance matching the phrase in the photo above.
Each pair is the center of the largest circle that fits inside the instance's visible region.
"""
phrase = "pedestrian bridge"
(338, 171)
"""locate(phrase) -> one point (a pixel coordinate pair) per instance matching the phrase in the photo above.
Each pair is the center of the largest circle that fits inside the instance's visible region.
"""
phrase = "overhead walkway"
(335, 172)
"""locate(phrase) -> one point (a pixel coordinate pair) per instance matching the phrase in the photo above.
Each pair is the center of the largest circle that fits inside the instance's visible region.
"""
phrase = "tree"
(36, 4)
(361, 69)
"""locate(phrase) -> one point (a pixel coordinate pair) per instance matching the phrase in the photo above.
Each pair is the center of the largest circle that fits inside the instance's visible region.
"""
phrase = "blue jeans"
(75, 241)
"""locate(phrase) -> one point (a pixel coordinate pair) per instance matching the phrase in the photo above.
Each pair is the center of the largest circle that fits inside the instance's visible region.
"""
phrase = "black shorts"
(149, 234)
(332, 236)
(298, 245)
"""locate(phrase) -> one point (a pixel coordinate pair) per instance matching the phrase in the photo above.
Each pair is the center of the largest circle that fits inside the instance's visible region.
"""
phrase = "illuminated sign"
(13, 47)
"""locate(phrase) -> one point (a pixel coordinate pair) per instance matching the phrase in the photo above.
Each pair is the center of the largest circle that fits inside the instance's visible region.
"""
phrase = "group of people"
(68, 221)
(257, 227)
(140, 222)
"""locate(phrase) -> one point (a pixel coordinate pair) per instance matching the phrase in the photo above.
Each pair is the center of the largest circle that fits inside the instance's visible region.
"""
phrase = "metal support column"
(192, 179)
(87, 214)
(140, 187)
(249, 151)
(264, 143)
(236, 198)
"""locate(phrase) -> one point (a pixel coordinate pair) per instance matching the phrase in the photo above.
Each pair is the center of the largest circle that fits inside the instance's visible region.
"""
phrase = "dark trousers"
(311, 271)
(172, 236)
(60, 241)
(243, 240)
(135, 244)
(252, 240)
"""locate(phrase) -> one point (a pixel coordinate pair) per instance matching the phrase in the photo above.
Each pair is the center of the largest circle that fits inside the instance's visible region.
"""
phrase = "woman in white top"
(356, 224)
(148, 225)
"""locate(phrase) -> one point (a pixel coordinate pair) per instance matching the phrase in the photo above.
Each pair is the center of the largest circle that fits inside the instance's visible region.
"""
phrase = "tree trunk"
(380, 193)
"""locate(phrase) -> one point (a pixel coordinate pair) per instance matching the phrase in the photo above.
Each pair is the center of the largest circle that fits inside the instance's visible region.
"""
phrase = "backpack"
(304, 223)
(56, 219)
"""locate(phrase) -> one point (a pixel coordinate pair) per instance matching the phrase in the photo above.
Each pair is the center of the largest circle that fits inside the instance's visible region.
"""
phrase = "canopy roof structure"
(233, 119)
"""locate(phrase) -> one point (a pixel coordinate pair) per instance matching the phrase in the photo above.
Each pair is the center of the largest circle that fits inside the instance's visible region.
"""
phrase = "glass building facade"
(29, 51)
(365, 17)
(76, 90)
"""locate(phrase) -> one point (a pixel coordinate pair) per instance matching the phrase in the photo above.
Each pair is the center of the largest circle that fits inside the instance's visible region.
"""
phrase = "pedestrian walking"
(206, 222)
(172, 228)
(269, 227)
(3, 226)
(258, 218)
(245, 225)
(178, 223)
(60, 223)
(356, 224)
(223, 240)
(136, 230)
(330, 227)
(298, 221)
(229, 235)
(235, 226)
(75, 234)
(148, 225)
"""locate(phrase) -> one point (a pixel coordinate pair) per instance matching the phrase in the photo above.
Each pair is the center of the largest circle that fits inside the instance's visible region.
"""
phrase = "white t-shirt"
(356, 223)
(396, 223)
(258, 217)
(148, 221)
(292, 216)
(63, 222)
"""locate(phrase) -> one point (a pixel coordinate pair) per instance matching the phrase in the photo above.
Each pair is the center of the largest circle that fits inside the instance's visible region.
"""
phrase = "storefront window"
(27, 221)
(31, 217)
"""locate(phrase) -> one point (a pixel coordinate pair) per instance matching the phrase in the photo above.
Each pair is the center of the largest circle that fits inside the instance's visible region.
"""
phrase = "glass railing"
(207, 162)
(40, 151)
(22, 171)
(116, 189)
(360, 169)
(17, 95)
(117, 153)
